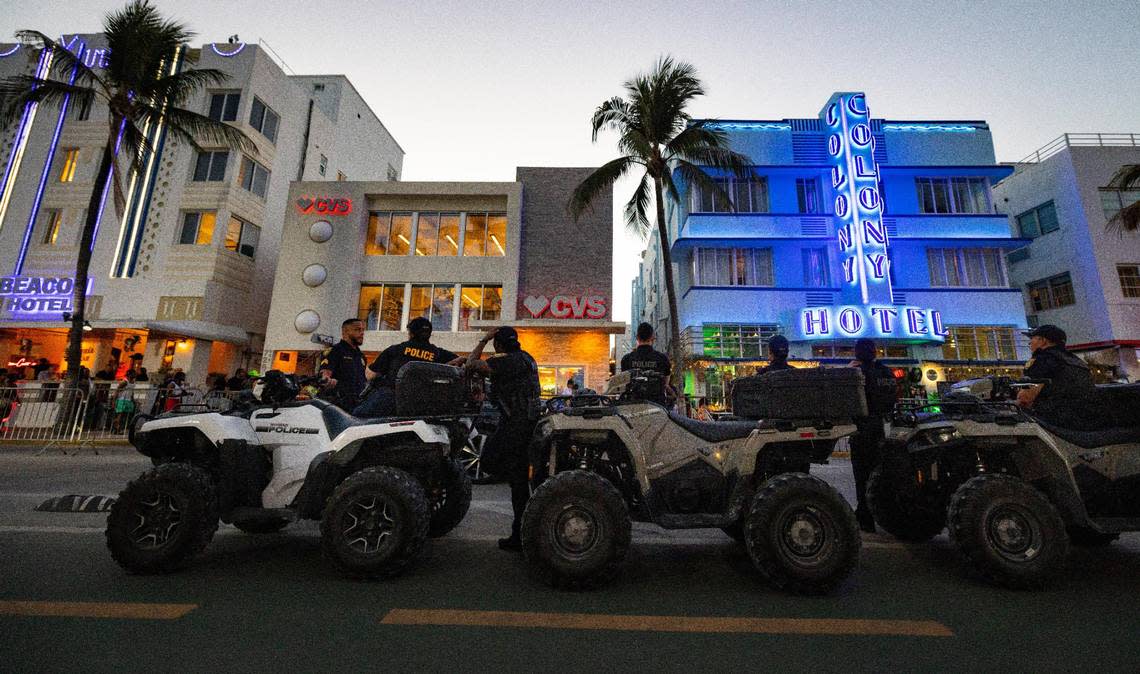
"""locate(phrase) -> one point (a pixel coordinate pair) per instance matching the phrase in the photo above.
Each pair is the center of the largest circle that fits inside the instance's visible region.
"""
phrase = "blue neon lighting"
(951, 128)
(15, 48)
(107, 184)
(235, 52)
(752, 126)
(21, 142)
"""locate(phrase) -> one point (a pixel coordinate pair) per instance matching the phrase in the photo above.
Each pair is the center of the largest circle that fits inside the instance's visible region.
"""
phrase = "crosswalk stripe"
(71, 609)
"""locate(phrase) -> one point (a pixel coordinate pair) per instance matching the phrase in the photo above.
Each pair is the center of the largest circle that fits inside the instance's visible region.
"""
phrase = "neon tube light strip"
(107, 184)
(21, 142)
(11, 51)
(235, 52)
(47, 169)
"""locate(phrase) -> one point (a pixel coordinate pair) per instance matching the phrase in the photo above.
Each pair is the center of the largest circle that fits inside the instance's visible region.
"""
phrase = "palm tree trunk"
(675, 352)
(83, 262)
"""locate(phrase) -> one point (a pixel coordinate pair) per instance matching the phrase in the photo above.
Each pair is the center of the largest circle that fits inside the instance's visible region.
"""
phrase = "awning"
(194, 329)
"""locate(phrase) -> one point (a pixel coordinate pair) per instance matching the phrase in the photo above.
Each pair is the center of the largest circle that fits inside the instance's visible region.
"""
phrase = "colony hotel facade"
(851, 226)
(465, 255)
(183, 276)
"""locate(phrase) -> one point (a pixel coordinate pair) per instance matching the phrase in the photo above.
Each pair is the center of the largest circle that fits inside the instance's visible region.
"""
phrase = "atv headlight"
(942, 435)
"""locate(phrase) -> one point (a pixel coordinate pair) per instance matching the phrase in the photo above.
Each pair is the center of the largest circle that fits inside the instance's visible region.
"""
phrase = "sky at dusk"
(473, 89)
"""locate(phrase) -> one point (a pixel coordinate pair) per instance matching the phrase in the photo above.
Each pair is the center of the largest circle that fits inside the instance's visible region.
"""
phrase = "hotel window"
(807, 195)
(242, 237)
(815, 268)
(735, 340)
(224, 106)
(435, 303)
(1111, 201)
(197, 228)
(966, 268)
(485, 234)
(749, 195)
(979, 342)
(389, 233)
(1037, 221)
(382, 307)
(262, 118)
(254, 177)
(479, 303)
(1053, 292)
(1129, 279)
(210, 166)
(51, 222)
(70, 160)
(847, 351)
(733, 267)
(324, 166)
(953, 195)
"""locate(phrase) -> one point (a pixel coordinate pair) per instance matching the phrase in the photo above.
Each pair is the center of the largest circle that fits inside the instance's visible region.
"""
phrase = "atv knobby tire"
(893, 506)
(1008, 531)
(163, 519)
(801, 534)
(575, 531)
(375, 522)
(449, 498)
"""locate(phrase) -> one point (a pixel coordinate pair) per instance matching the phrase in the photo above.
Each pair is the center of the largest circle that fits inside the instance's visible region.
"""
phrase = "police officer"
(515, 392)
(1067, 399)
(380, 400)
(645, 357)
(778, 353)
(882, 392)
(342, 366)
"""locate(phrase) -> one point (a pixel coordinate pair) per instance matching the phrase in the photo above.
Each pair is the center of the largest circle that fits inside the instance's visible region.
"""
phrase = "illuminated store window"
(50, 224)
(433, 302)
(496, 234)
(242, 236)
(953, 195)
(847, 351)
(974, 342)
(1129, 279)
(1037, 221)
(479, 302)
(381, 307)
(210, 166)
(808, 198)
(816, 273)
(733, 267)
(746, 195)
(262, 118)
(253, 177)
(70, 160)
(389, 233)
(736, 340)
(198, 228)
(1053, 292)
(552, 378)
(966, 267)
(224, 106)
(485, 234)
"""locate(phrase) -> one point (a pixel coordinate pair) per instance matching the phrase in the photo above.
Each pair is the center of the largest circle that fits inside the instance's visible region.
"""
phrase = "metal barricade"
(42, 411)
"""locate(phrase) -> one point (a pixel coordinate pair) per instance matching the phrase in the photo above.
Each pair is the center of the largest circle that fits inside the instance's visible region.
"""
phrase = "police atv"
(1013, 490)
(600, 462)
(378, 486)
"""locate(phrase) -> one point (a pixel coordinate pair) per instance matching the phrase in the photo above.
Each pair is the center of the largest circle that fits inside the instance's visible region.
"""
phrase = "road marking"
(49, 530)
(71, 609)
(649, 623)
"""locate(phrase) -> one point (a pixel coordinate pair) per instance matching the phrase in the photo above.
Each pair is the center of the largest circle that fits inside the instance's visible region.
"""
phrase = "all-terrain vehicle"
(600, 462)
(378, 486)
(1013, 490)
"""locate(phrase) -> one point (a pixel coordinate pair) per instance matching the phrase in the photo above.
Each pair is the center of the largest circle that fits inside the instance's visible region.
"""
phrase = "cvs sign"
(566, 306)
(324, 205)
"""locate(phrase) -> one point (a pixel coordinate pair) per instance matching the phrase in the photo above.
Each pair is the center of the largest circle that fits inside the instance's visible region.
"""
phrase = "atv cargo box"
(428, 389)
(826, 394)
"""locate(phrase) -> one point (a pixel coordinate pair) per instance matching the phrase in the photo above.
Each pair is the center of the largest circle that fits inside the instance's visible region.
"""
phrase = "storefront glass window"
(449, 234)
(427, 234)
(434, 302)
(381, 307)
(479, 302)
(734, 340)
(552, 378)
(970, 342)
(475, 235)
(496, 235)
(389, 233)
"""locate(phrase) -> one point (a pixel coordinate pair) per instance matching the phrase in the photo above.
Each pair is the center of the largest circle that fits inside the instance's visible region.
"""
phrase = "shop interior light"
(498, 245)
(87, 326)
(470, 301)
(404, 239)
(451, 241)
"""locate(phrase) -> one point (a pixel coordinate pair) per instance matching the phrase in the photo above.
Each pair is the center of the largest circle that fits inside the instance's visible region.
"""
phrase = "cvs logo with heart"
(566, 306)
(324, 205)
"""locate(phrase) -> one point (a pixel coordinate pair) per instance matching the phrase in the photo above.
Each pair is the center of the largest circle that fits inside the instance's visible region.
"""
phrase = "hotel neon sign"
(35, 295)
(867, 307)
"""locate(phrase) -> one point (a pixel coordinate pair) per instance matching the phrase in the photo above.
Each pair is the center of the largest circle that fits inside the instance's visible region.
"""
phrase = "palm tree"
(137, 90)
(656, 134)
(1126, 219)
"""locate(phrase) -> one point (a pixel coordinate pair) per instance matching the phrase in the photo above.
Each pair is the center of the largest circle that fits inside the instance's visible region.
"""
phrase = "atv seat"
(337, 420)
(1093, 439)
(714, 431)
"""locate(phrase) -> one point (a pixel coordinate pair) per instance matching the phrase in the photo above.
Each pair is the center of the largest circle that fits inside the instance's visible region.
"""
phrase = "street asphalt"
(685, 601)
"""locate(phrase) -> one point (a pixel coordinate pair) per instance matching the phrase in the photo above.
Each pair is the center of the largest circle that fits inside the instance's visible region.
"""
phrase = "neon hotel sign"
(867, 307)
(31, 295)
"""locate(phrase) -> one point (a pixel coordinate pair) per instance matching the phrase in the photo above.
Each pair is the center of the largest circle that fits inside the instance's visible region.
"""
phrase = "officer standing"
(879, 385)
(778, 354)
(1067, 399)
(380, 400)
(515, 392)
(342, 366)
(645, 357)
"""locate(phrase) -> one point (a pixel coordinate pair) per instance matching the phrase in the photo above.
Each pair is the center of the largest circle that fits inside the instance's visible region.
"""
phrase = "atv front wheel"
(375, 523)
(1008, 531)
(162, 519)
(449, 498)
(801, 534)
(575, 531)
(895, 507)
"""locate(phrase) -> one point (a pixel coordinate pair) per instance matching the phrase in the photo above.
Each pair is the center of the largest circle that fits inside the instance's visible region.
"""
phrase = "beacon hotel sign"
(43, 297)
(866, 308)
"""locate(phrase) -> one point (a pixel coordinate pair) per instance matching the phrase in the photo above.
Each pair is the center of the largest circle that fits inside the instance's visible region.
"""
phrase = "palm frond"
(19, 90)
(637, 220)
(135, 148)
(614, 114)
(65, 64)
(720, 158)
(1127, 219)
(696, 175)
(177, 88)
(193, 128)
(597, 182)
(140, 44)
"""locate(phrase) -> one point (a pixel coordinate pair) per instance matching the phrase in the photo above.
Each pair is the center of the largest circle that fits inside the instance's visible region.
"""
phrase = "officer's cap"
(778, 342)
(1049, 332)
(419, 324)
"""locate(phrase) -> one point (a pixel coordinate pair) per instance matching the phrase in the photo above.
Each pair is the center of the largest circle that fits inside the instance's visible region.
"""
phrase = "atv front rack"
(997, 411)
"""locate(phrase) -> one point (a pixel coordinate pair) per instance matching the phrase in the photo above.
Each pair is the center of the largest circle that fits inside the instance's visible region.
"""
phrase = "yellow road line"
(649, 623)
(73, 609)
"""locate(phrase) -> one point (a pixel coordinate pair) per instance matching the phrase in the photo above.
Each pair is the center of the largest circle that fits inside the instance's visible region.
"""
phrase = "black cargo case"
(834, 395)
(429, 389)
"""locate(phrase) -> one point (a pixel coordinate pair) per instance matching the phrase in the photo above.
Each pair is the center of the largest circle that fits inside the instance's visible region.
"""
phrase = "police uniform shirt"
(390, 360)
(346, 362)
(1067, 398)
(775, 366)
(880, 387)
(514, 383)
(645, 357)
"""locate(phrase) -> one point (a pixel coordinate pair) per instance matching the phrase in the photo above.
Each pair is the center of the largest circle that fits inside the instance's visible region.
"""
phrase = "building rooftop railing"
(1068, 140)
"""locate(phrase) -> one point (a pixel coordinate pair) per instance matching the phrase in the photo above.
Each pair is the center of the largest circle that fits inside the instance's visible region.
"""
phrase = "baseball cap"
(1049, 332)
(507, 335)
(419, 324)
(778, 342)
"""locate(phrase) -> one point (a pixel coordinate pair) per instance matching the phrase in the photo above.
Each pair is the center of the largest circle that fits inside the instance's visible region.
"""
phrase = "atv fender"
(181, 436)
(348, 443)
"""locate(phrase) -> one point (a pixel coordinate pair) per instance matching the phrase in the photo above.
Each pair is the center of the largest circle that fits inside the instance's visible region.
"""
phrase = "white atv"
(379, 487)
